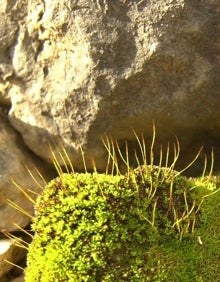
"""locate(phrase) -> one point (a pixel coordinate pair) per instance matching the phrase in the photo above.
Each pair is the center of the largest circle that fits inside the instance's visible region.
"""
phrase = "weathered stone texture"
(9, 251)
(15, 160)
(85, 68)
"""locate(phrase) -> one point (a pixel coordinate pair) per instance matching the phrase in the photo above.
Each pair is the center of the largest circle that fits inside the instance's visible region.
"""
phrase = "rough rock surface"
(75, 70)
(10, 252)
(19, 279)
(14, 161)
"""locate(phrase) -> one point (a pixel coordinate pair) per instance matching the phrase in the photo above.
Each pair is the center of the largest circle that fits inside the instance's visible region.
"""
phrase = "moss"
(150, 225)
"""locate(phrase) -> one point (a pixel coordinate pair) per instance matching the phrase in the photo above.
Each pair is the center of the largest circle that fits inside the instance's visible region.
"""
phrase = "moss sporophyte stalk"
(148, 224)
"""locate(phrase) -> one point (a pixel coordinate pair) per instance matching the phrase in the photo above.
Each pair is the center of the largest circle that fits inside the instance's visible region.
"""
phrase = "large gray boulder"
(77, 70)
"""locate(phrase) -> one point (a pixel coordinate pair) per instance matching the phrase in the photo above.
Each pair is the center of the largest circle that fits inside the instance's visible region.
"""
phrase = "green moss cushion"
(145, 226)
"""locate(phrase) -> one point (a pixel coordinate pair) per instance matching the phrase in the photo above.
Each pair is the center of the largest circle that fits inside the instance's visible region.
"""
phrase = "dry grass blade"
(206, 196)
(176, 150)
(13, 264)
(171, 195)
(142, 147)
(151, 223)
(125, 159)
(192, 162)
(18, 208)
(185, 200)
(23, 230)
(204, 169)
(17, 241)
(94, 165)
(83, 158)
(167, 155)
(152, 147)
(179, 220)
(27, 196)
(64, 162)
(161, 157)
(106, 144)
(112, 157)
(36, 181)
(154, 212)
(56, 162)
(69, 160)
(212, 165)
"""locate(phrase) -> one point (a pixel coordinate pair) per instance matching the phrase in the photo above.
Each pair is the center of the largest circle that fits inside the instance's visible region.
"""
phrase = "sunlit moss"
(149, 223)
(98, 227)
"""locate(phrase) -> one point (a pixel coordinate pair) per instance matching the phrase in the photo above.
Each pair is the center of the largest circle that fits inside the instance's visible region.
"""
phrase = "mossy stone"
(98, 227)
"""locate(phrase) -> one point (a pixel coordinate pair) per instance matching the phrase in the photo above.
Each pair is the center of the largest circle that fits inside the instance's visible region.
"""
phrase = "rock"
(15, 158)
(19, 279)
(8, 34)
(83, 69)
(9, 252)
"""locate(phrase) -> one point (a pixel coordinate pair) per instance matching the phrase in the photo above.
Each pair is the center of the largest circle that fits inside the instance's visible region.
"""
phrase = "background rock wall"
(73, 71)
